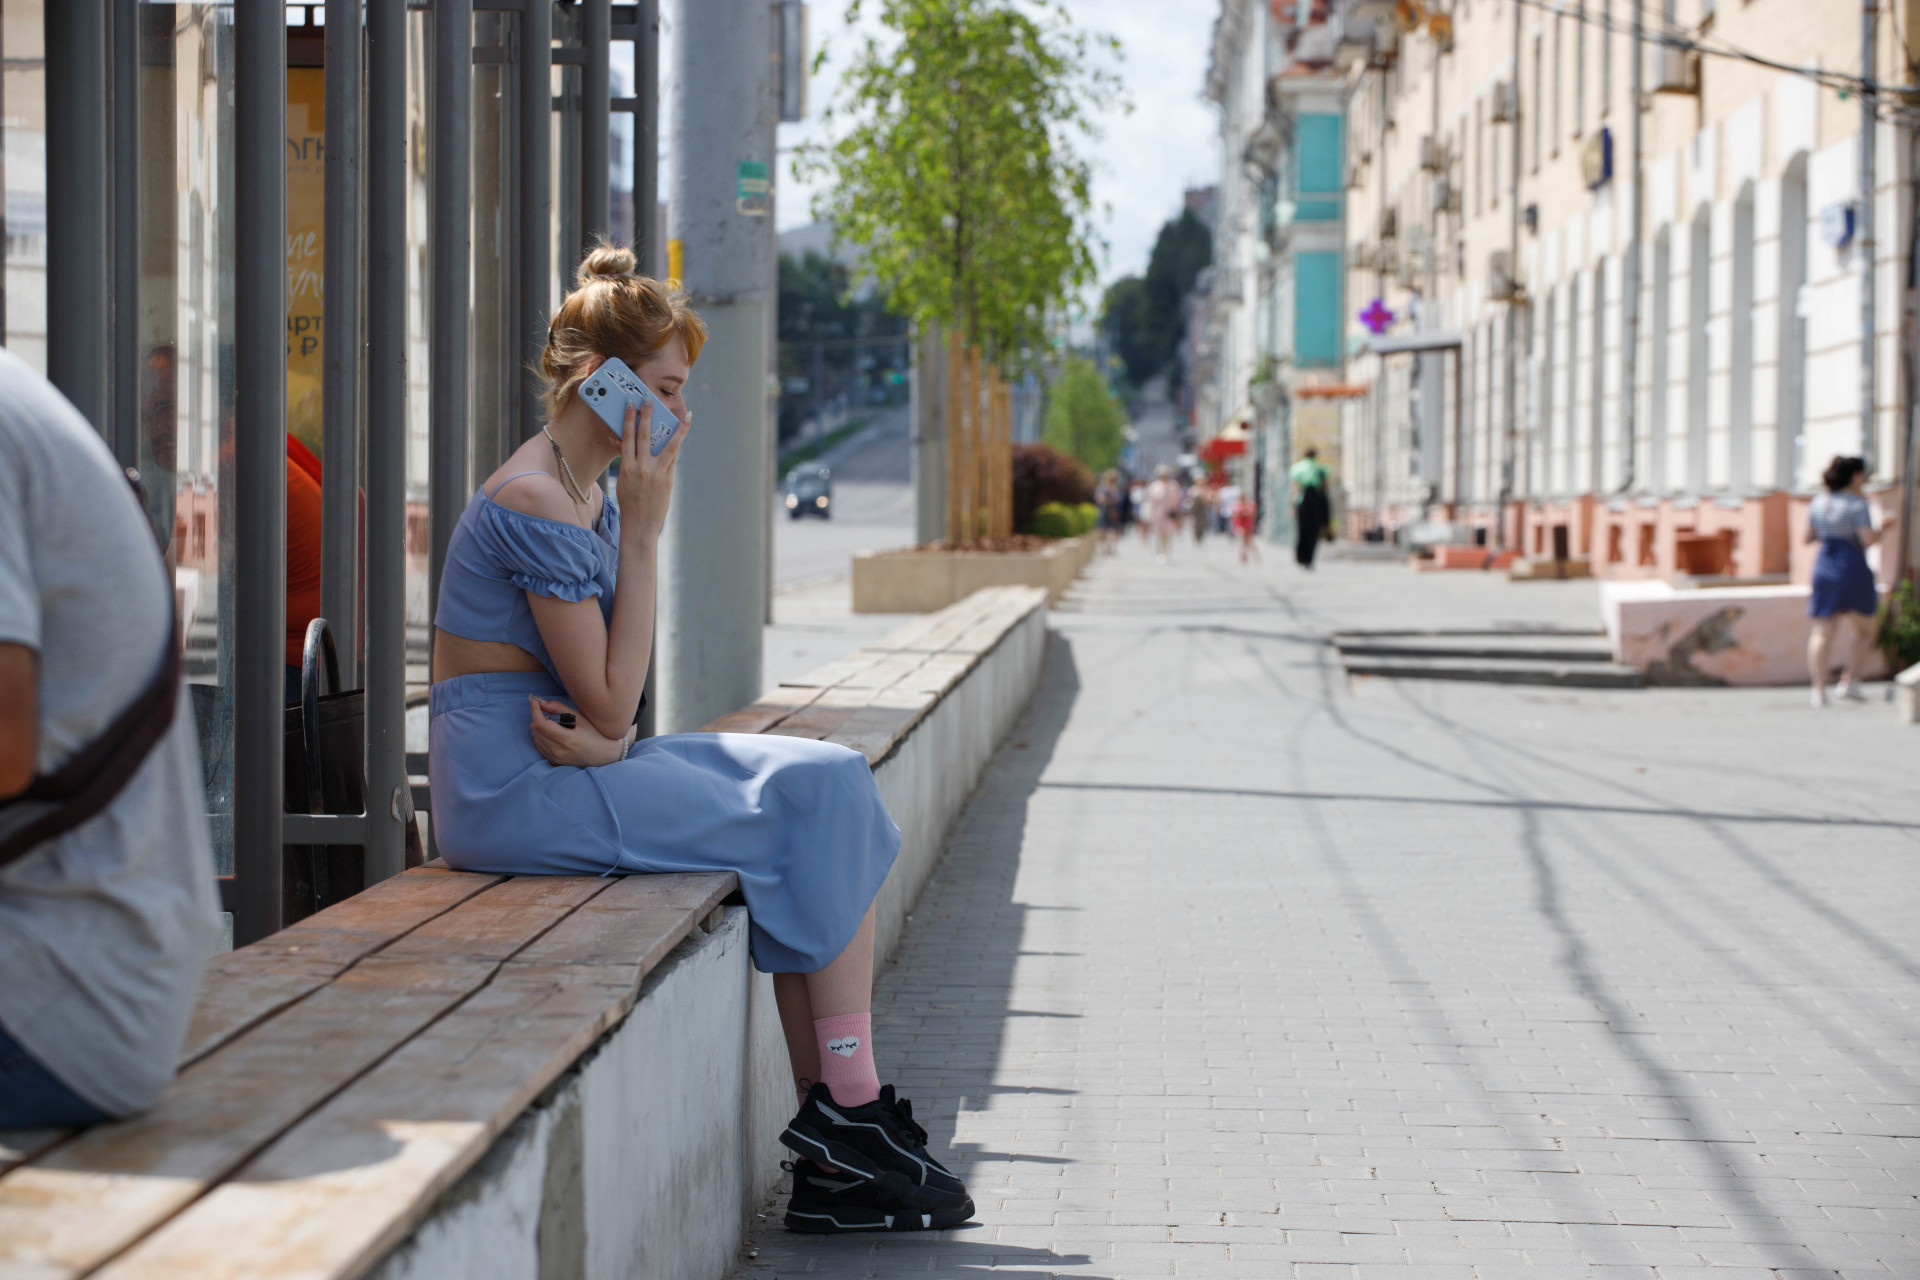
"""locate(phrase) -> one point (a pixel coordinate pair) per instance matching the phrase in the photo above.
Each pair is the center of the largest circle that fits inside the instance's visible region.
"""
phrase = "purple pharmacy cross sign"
(1376, 317)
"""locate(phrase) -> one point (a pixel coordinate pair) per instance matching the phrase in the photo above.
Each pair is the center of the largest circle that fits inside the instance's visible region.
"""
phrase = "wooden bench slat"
(242, 987)
(349, 1182)
(86, 1200)
(499, 923)
(753, 719)
(829, 674)
(874, 731)
(889, 670)
(17, 1145)
(636, 921)
(939, 673)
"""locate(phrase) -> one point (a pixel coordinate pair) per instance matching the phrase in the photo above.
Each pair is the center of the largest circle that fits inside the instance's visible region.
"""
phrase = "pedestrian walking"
(108, 912)
(1310, 507)
(1225, 499)
(1137, 507)
(547, 611)
(1198, 508)
(1110, 495)
(1162, 508)
(1244, 518)
(1844, 595)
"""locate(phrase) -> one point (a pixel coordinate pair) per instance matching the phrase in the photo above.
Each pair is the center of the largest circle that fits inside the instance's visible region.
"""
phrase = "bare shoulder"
(536, 494)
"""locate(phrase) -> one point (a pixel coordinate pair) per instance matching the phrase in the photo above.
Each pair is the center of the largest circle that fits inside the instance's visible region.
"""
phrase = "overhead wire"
(1675, 37)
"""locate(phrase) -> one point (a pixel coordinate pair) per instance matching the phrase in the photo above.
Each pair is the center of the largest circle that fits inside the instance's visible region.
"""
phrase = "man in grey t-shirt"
(105, 931)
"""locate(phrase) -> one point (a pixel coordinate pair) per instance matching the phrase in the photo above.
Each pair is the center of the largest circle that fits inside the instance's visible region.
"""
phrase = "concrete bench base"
(1714, 635)
(648, 1157)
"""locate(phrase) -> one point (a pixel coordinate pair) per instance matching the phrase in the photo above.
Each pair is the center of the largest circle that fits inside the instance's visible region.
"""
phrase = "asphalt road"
(872, 506)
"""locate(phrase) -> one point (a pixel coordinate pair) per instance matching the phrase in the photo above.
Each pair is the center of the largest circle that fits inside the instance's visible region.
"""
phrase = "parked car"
(810, 493)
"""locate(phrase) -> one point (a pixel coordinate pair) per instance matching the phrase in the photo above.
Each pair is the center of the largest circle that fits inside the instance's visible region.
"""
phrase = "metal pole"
(711, 571)
(122, 373)
(1510, 367)
(1630, 295)
(78, 292)
(340, 369)
(646, 141)
(386, 362)
(536, 202)
(1869, 109)
(260, 458)
(646, 230)
(596, 98)
(452, 248)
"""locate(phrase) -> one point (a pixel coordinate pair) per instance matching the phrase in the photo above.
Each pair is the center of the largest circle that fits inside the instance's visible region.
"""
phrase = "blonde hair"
(614, 311)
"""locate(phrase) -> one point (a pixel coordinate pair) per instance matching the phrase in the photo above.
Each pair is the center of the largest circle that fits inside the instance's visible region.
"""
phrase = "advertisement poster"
(306, 245)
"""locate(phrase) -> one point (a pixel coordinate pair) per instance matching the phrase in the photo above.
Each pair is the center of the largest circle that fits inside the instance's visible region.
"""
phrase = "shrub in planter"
(1900, 627)
(1056, 520)
(1042, 474)
(1089, 516)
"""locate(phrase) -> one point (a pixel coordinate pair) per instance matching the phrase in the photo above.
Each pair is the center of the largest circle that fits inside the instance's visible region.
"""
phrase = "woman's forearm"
(629, 636)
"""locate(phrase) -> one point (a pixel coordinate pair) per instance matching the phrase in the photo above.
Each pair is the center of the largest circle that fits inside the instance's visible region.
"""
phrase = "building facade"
(1266, 323)
(1640, 356)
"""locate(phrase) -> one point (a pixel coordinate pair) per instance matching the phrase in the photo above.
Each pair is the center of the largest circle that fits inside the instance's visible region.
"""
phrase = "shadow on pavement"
(956, 966)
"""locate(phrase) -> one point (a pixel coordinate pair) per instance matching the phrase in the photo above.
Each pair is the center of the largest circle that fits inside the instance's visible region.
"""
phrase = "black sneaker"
(878, 1143)
(826, 1203)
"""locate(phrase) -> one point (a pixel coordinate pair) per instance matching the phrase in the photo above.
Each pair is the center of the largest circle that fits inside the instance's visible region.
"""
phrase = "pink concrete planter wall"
(1714, 635)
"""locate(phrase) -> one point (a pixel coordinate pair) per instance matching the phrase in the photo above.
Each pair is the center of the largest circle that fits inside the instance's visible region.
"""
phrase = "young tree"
(1083, 419)
(955, 172)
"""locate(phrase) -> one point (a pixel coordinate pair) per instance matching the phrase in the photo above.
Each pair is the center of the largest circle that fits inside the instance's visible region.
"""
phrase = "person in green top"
(1311, 510)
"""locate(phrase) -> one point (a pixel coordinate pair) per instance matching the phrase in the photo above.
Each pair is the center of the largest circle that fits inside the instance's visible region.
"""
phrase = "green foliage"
(955, 173)
(1145, 317)
(1042, 474)
(1089, 516)
(817, 304)
(1056, 520)
(1900, 627)
(1083, 419)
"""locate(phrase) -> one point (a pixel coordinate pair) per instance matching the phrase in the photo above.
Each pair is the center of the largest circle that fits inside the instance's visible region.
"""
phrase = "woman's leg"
(1818, 643)
(796, 1024)
(846, 984)
(1859, 639)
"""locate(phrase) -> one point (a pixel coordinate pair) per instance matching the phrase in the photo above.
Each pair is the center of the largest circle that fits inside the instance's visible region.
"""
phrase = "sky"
(1145, 158)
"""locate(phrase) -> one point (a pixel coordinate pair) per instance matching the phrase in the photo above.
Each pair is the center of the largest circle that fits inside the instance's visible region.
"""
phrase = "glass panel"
(186, 337)
(418, 55)
(23, 175)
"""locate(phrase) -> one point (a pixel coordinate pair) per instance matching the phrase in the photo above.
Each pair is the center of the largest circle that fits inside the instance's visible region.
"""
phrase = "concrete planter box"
(1714, 635)
(922, 581)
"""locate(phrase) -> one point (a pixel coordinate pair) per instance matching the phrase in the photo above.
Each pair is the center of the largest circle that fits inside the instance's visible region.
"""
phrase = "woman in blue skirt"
(542, 640)
(1844, 594)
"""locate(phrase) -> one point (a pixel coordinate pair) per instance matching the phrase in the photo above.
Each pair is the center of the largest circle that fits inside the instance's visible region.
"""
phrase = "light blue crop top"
(498, 554)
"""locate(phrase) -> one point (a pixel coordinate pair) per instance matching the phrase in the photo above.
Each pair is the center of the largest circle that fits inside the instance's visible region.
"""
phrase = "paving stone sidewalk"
(1233, 970)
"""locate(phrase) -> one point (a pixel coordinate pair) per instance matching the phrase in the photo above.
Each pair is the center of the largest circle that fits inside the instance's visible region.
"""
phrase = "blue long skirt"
(799, 821)
(1842, 581)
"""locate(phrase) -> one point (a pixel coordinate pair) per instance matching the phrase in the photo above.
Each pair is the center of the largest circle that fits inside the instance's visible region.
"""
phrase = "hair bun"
(607, 260)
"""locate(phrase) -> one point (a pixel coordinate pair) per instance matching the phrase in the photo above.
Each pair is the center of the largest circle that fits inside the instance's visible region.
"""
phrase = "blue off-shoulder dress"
(799, 821)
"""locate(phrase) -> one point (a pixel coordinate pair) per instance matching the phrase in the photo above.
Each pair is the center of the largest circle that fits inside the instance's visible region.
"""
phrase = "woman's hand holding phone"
(645, 486)
(580, 746)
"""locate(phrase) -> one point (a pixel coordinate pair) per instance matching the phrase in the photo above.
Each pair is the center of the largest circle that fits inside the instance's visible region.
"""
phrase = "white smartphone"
(612, 387)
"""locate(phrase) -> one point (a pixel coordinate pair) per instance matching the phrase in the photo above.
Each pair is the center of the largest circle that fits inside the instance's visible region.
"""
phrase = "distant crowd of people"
(1199, 503)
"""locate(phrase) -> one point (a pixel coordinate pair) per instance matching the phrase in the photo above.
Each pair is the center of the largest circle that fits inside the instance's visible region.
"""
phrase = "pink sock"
(846, 1058)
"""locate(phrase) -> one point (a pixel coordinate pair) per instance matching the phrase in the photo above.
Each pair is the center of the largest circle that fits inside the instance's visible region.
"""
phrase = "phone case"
(613, 387)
